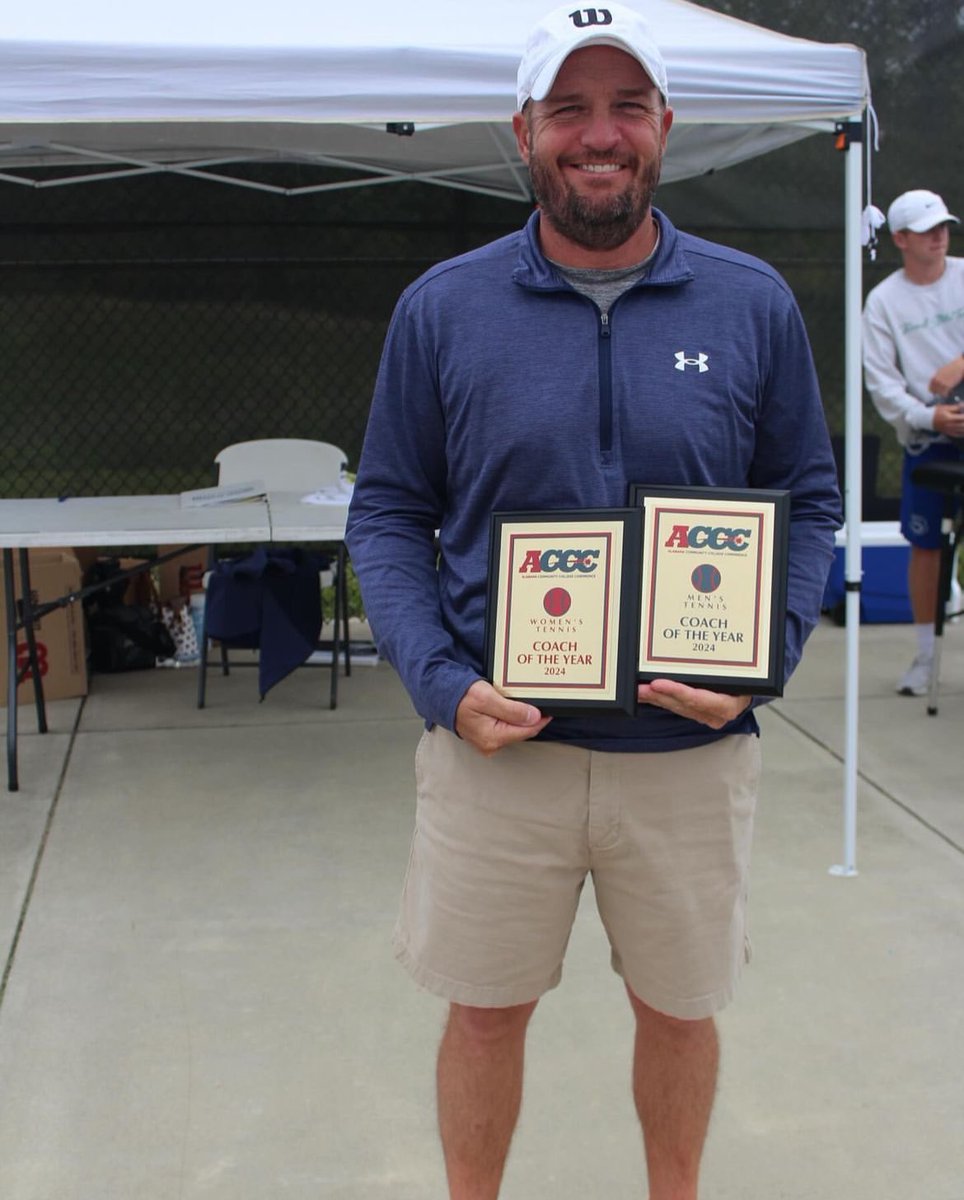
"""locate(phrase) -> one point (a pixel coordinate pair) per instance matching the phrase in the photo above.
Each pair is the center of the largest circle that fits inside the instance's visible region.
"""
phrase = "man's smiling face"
(594, 148)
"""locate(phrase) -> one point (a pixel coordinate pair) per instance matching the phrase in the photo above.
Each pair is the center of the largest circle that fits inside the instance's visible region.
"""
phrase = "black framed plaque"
(562, 613)
(713, 587)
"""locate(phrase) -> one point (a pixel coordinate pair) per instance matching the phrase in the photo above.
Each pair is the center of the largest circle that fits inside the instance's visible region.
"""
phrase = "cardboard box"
(85, 555)
(184, 575)
(61, 646)
(179, 577)
(139, 589)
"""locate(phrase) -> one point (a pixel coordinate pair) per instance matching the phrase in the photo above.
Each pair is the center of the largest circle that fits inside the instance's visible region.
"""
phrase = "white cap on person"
(565, 30)
(918, 211)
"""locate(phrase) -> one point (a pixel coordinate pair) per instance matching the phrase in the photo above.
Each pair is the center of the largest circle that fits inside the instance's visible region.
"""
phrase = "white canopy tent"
(389, 91)
(190, 83)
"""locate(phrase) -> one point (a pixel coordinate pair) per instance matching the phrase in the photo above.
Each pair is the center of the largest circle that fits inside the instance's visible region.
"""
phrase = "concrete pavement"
(200, 999)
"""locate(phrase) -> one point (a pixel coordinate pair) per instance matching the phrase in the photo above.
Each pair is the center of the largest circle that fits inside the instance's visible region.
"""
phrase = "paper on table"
(336, 493)
(204, 497)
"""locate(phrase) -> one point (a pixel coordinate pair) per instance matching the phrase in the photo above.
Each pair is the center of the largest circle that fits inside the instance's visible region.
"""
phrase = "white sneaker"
(917, 679)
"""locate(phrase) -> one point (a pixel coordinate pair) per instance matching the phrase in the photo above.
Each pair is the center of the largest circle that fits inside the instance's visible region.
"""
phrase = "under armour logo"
(682, 362)
(583, 17)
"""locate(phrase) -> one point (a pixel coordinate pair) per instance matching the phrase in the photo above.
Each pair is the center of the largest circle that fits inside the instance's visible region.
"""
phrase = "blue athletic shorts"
(921, 508)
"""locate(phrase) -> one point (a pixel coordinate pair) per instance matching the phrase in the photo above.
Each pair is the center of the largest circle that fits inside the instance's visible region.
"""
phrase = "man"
(543, 372)
(913, 329)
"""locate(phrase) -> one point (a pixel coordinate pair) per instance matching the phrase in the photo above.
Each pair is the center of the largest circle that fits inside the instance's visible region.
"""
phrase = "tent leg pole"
(853, 471)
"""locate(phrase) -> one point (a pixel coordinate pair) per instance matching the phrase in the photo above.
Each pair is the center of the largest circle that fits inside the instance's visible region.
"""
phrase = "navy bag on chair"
(268, 600)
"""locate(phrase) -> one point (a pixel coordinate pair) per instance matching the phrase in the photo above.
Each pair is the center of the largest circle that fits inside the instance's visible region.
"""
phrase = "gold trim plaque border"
(713, 587)
(562, 608)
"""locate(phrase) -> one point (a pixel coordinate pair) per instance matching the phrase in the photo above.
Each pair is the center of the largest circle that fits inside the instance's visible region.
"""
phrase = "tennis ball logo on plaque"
(557, 602)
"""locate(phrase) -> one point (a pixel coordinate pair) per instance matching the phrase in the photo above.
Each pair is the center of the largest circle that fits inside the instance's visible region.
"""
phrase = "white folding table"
(138, 521)
(294, 520)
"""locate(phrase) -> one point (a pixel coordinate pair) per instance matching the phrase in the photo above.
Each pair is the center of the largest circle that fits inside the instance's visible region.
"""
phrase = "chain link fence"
(146, 323)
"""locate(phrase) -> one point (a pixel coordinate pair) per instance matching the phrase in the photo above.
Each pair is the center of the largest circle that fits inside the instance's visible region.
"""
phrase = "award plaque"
(562, 611)
(713, 587)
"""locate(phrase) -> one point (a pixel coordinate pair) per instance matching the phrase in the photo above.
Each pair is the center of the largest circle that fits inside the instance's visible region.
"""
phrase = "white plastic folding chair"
(282, 464)
(291, 465)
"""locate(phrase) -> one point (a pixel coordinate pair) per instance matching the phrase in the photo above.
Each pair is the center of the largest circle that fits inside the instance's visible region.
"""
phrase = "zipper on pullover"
(605, 386)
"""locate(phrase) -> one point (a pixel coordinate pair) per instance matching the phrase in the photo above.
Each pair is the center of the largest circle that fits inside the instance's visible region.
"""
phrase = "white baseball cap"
(565, 30)
(918, 211)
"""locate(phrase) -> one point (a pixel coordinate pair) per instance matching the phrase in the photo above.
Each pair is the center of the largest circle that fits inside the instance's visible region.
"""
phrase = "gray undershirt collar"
(604, 285)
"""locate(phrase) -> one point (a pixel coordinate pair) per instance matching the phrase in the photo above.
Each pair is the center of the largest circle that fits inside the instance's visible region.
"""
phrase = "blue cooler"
(883, 591)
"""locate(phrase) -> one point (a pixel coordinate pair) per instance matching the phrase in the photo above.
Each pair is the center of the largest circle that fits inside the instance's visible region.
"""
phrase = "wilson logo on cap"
(564, 30)
(582, 18)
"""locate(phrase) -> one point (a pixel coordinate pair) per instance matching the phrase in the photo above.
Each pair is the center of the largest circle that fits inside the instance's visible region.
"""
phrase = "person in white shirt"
(913, 337)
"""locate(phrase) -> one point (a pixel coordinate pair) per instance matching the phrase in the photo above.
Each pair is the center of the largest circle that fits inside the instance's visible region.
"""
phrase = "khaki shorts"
(503, 845)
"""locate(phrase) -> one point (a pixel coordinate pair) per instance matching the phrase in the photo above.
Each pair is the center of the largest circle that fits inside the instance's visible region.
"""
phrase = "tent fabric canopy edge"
(148, 109)
(476, 156)
(297, 82)
(48, 83)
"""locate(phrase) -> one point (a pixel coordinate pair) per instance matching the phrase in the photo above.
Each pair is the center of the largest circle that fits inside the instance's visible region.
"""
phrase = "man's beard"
(602, 223)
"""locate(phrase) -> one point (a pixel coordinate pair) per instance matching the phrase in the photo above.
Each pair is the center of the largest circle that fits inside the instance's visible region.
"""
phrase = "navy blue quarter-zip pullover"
(500, 388)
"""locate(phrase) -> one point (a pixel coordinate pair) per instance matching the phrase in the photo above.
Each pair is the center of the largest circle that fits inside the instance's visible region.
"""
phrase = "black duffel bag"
(122, 637)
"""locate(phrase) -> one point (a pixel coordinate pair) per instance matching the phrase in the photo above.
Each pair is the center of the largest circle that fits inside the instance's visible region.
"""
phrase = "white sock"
(925, 640)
